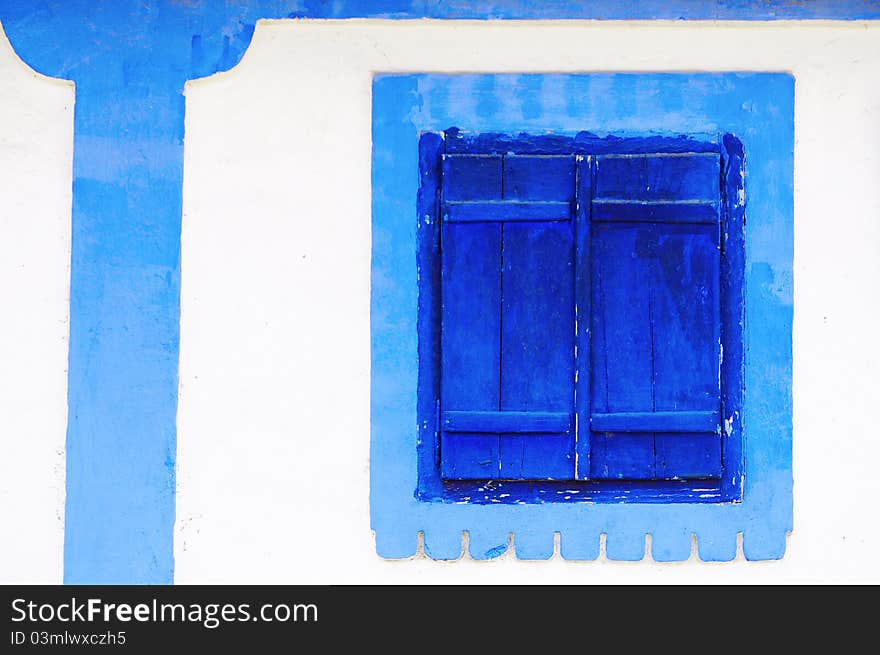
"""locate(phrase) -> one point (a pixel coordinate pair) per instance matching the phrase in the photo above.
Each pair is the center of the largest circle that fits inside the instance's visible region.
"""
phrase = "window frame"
(430, 486)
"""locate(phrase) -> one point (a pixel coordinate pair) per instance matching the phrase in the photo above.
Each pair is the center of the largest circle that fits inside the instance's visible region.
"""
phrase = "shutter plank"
(622, 352)
(470, 344)
(537, 345)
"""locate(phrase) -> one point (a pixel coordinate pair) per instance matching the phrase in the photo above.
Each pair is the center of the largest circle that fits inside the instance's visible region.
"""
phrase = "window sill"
(508, 492)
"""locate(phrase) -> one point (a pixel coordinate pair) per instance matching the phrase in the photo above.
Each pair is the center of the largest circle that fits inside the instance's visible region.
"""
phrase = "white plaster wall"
(36, 157)
(273, 440)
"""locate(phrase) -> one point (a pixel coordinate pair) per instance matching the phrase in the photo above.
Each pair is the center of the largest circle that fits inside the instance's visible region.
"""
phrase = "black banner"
(281, 618)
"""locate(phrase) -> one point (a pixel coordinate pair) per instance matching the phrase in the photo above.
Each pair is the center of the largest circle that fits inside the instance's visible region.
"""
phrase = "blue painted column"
(130, 61)
(124, 325)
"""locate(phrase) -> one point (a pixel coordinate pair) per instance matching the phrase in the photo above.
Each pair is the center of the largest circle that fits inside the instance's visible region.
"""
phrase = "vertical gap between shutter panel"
(722, 223)
(594, 173)
(604, 302)
(501, 330)
(502, 176)
(723, 165)
(438, 336)
(653, 373)
(722, 205)
(441, 196)
(588, 319)
(574, 282)
(651, 334)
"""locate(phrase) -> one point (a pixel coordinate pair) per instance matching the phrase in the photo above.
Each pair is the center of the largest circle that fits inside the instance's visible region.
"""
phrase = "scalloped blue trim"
(759, 109)
(666, 545)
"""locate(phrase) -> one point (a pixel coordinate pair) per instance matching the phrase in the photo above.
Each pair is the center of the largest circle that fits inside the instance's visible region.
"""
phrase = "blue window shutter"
(507, 318)
(655, 355)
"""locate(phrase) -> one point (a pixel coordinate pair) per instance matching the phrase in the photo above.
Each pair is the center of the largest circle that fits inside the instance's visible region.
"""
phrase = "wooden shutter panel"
(655, 317)
(507, 333)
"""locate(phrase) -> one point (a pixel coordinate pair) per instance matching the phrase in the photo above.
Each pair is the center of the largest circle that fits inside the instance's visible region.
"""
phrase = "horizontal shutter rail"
(642, 155)
(631, 201)
(658, 211)
(683, 421)
(513, 155)
(526, 155)
(466, 211)
(507, 422)
(455, 155)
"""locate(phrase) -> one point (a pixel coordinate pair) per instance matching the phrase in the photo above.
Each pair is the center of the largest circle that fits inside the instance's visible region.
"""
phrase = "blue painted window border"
(432, 146)
(759, 109)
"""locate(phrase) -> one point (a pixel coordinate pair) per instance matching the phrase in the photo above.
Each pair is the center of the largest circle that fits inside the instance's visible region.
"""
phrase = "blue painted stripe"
(592, 9)
(598, 9)
(124, 325)
(655, 422)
